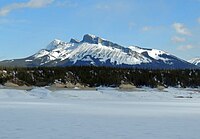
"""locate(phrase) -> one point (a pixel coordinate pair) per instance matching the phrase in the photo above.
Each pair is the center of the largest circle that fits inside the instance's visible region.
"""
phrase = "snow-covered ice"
(105, 113)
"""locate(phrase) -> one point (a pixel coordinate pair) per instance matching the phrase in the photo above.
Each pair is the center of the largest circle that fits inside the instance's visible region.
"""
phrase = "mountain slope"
(195, 61)
(96, 51)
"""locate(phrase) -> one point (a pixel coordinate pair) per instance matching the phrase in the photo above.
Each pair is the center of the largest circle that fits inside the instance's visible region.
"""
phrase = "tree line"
(92, 76)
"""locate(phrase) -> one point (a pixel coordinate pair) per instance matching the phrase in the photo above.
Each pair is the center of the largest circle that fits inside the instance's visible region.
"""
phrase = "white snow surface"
(154, 53)
(57, 50)
(105, 53)
(105, 113)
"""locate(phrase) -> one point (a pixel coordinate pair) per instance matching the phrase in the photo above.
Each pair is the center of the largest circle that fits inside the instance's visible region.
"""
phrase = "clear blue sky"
(27, 26)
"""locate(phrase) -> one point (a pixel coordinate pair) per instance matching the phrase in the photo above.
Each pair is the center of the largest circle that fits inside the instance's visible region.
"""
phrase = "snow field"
(103, 114)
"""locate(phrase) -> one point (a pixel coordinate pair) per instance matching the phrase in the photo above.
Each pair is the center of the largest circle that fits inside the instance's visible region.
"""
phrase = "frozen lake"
(103, 114)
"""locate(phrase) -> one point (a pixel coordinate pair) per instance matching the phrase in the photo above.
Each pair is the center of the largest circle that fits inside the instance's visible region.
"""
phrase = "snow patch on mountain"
(104, 53)
(41, 53)
(195, 61)
(153, 53)
(56, 50)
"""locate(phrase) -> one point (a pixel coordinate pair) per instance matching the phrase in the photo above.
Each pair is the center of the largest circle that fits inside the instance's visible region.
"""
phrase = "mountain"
(195, 61)
(93, 50)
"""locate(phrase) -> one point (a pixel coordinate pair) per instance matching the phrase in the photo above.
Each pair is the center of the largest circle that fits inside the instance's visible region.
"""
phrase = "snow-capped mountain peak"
(93, 50)
(54, 44)
(88, 38)
(92, 39)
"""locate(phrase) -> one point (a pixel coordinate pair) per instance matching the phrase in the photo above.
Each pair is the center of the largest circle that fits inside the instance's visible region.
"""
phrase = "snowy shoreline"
(105, 113)
(101, 93)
